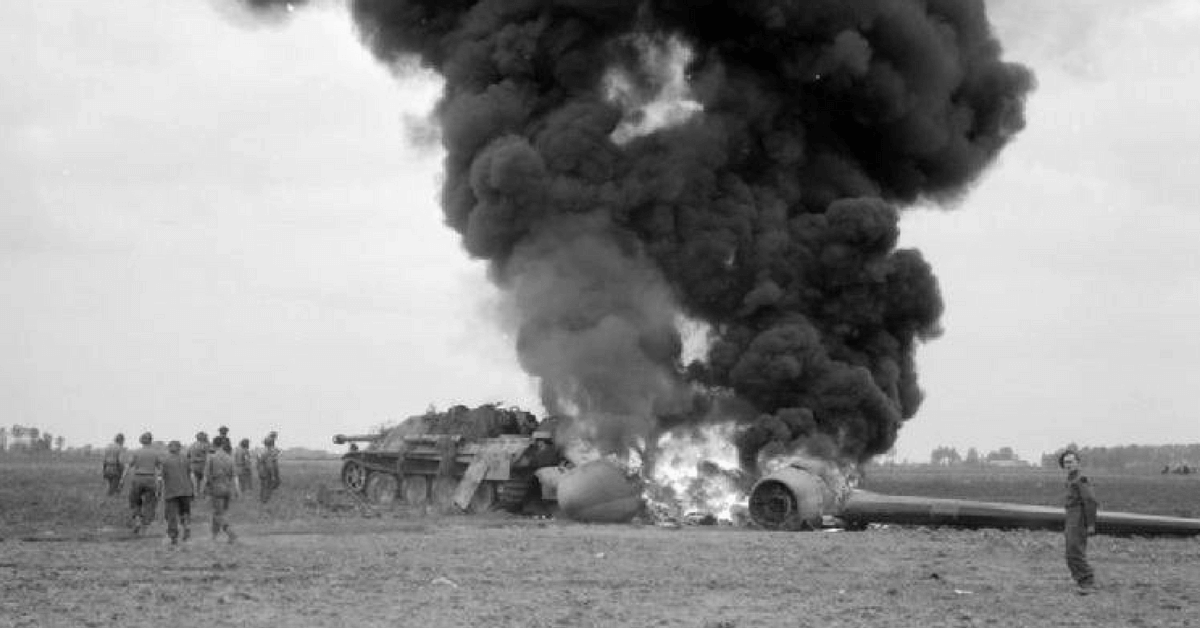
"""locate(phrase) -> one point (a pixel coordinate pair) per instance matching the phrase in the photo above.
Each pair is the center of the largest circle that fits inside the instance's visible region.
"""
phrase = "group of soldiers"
(216, 469)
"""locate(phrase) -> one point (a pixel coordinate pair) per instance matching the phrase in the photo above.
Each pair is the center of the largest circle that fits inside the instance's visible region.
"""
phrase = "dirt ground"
(68, 559)
(496, 570)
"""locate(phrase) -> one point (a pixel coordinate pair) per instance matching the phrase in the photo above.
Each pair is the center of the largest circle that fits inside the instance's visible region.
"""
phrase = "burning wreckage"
(486, 458)
(692, 213)
(489, 458)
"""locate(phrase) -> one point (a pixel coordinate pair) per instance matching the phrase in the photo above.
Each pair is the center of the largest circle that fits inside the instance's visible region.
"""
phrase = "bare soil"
(297, 566)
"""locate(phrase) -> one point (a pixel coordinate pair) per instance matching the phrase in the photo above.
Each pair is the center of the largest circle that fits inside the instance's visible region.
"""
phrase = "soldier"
(197, 454)
(177, 492)
(241, 462)
(221, 481)
(268, 468)
(1080, 521)
(144, 466)
(114, 464)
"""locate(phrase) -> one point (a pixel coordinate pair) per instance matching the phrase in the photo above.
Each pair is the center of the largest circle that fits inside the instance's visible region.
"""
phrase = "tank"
(476, 459)
(798, 498)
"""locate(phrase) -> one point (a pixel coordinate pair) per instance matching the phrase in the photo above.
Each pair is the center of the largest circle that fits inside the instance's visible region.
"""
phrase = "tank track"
(510, 495)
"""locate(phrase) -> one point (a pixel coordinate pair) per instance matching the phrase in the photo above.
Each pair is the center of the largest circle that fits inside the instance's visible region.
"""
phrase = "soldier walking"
(197, 454)
(268, 468)
(143, 469)
(177, 492)
(1080, 521)
(243, 466)
(220, 479)
(114, 464)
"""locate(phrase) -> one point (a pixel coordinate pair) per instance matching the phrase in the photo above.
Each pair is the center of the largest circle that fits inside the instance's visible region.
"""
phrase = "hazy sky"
(206, 220)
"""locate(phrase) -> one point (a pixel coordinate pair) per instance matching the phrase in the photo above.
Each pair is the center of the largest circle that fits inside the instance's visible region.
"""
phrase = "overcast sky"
(206, 220)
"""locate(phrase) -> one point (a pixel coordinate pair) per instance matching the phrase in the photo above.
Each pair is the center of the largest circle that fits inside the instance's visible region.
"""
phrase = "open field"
(66, 560)
(1151, 494)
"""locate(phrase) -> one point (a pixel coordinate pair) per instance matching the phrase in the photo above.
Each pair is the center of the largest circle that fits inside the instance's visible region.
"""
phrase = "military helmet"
(146, 438)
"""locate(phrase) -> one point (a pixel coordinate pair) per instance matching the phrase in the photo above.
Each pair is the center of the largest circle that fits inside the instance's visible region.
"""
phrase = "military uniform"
(177, 495)
(267, 459)
(1081, 517)
(114, 466)
(197, 455)
(221, 481)
(144, 464)
(243, 466)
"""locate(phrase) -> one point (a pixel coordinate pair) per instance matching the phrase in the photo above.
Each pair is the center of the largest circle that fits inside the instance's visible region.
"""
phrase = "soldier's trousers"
(246, 480)
(177, 510)
(112, 475)
(220, 506)
(1076, 542)
(197, 477)
(143, 499)
(268, 481)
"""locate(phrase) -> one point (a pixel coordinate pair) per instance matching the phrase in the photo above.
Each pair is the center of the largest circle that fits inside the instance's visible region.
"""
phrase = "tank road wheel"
(484, 499)
(511, 495)
(381, 488)
(415, 489)
(354, 476)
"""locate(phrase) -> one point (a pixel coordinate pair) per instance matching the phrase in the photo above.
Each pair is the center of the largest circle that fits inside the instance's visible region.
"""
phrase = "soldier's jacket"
(219, 473)
(145, 461)
(114, 457)
(267, 459)
(241, 460)
(114, 454)
(1080, 501)
(197, 454)
(176, 481)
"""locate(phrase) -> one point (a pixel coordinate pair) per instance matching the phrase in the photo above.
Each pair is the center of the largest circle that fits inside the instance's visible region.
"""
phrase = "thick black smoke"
(770, 214)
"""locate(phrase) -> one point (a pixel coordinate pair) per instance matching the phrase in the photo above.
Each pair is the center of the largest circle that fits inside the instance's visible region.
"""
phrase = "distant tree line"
(1161, 458)
(948, 456)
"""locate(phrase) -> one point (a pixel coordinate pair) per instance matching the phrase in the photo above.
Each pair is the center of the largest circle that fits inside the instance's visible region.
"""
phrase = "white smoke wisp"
(665, 61)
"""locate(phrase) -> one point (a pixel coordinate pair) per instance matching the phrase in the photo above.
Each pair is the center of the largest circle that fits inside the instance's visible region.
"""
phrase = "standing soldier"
(220, 479)
(144, 466)
(177, 492)
(268, 468)
(197, 454)
(114, 464)
(241, 462)
(1080, 521)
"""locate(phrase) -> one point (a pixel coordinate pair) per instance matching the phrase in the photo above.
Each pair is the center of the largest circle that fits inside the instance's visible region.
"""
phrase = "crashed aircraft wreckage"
(796, 498)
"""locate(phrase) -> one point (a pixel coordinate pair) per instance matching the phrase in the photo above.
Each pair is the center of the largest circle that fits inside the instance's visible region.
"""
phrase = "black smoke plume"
(769, 211)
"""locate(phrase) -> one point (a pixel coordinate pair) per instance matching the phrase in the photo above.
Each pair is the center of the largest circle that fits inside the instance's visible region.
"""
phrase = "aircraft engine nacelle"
(791, 498)
(599, 491)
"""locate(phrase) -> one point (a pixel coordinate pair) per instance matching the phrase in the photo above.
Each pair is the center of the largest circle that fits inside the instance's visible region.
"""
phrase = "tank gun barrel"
(342, 439)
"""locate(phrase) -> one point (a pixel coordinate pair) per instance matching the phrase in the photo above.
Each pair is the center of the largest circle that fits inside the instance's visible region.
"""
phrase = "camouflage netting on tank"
(485, 421)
